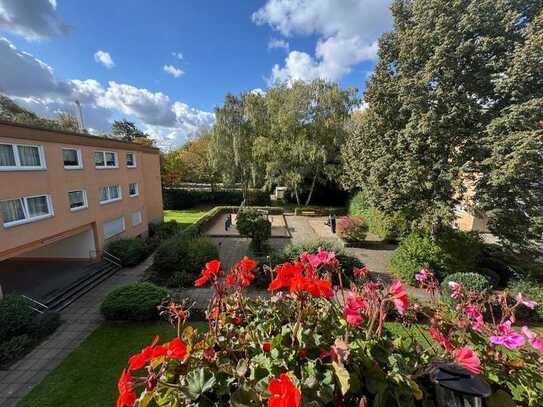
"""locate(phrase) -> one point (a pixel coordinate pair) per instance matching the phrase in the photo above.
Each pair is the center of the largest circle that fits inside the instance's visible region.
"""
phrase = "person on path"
(333, 223)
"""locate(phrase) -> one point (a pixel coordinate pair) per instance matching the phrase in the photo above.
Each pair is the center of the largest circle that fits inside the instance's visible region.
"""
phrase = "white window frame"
(140, 218)
(137, 190)
(116, 234)
(105, 166)
(79, 159)
(27, 217)
(85, 200)
(109, 200)
(134, 160)
(18, 166)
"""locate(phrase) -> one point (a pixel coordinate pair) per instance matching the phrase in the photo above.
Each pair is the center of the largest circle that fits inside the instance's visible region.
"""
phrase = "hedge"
(472, 282)
(21, 328)
(134, 302)
(178, 198)
(130, 251)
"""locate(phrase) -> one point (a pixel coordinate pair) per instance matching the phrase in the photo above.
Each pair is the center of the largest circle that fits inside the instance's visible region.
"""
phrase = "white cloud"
(34, 20)
(258, 91)
(347, 33)
(173, 71)
(104, 58)
(177, 55)
(278, 43)
(33, 83)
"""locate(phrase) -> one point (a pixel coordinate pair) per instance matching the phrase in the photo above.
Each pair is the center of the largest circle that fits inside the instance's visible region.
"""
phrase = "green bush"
(415, 252)
(134, 302)
(16, 317)
(531, 290)
(472, 282)
(251, 224)
(451, 252)
(14, 348)
(392, 227)
(164, 230)
(45, 324)
(131, 251)
(359, 206)
(178, 261)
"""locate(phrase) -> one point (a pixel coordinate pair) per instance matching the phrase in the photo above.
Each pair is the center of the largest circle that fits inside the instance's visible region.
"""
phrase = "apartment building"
(66, 195)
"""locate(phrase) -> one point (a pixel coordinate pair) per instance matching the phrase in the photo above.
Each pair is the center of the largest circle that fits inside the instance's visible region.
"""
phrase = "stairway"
(94, 274)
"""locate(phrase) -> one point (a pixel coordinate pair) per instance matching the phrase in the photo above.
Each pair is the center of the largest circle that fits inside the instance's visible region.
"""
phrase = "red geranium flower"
(174, 349)
(468, 359)
(210, 271)
(266, 346)
(140, 360)
(359, 272)
(291, 276)
(242, 273)
(399, 296)
(440, 338)
(283, 393)
(127, 395)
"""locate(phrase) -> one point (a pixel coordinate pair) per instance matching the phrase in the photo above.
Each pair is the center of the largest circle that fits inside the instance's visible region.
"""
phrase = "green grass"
(88, 376)
(185, 217)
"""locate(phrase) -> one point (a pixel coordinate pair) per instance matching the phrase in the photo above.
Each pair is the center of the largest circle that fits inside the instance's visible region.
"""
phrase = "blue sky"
(167, 64)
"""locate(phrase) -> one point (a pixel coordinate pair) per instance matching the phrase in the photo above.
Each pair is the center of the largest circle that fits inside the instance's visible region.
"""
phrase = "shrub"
(472, 282)
(531, 290)
(130, 251)
(415, 252)
(164, 230)
(14, 348)
(134, 302)
(178, 260)
(16, 317)
(352, 229)
(45, 324)
(391, 227)
(359, 205)
(451, 252)
(251, 224)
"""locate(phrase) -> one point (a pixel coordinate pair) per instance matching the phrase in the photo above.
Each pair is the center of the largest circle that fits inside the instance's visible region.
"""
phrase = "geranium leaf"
(343, 377)
(198, 382)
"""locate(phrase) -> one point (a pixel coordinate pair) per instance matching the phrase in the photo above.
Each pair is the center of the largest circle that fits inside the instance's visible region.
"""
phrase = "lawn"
(88, 376)
(185, 217)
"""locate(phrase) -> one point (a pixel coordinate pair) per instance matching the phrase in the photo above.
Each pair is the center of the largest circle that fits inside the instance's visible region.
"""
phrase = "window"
(105, 159)
(136, 218)
(77, 200)
(26, 209)
(133, 189)
(131, 160)
(72, 158)
(21, 157)
(110, 193)
(114, 227)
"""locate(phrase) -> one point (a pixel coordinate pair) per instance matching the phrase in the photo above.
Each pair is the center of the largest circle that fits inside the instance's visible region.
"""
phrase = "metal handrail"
(33, 301)
(107, 256)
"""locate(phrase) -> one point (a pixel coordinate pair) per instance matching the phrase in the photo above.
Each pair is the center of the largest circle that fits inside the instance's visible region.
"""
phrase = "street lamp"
(458, 387)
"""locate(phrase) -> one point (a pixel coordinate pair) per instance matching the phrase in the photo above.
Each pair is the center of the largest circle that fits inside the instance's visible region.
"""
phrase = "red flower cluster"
(241, 274)
(211, 271)
(174, 349)
(283, 393)
(300, 277)
(127, 395)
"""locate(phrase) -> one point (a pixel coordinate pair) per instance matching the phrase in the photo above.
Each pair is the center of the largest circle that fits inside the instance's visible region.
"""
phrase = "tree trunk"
(297, 196)
(311, 190)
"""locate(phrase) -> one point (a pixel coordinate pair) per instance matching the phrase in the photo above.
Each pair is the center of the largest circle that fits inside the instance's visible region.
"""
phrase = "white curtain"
(37, 206)
(99, 159)
(7, 158)
(113, 192)
(76, 199)
(12, 210)
(29, 156)
(103, 193)
(70, 157)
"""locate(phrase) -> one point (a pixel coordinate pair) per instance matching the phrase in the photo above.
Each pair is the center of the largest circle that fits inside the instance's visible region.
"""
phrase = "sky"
(166, 64)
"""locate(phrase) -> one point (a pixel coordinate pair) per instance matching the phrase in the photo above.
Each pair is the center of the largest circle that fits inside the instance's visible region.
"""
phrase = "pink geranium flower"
(399, 296)
(322, 257)
(456, 289)
(359, 272)
(533, 340)
(507, 337)
(475, 316)
(528, 303)
(423, 275)
(467, 358)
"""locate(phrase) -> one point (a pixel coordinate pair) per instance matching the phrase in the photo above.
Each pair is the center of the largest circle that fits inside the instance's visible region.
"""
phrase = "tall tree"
(431, 99)
(128, 131)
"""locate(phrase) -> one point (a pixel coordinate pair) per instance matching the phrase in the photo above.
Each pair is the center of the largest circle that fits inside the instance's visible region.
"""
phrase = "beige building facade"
(66, 195)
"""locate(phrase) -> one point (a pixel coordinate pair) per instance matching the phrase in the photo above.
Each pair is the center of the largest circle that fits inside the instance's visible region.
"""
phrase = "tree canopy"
(128, 131)
(444, 112)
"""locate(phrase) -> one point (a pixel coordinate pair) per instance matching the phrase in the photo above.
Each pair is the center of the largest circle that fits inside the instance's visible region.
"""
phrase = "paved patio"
(79, 321)
(216, 227)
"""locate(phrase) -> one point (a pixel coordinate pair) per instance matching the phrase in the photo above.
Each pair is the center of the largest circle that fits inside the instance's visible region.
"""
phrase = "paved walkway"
(79, 321)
